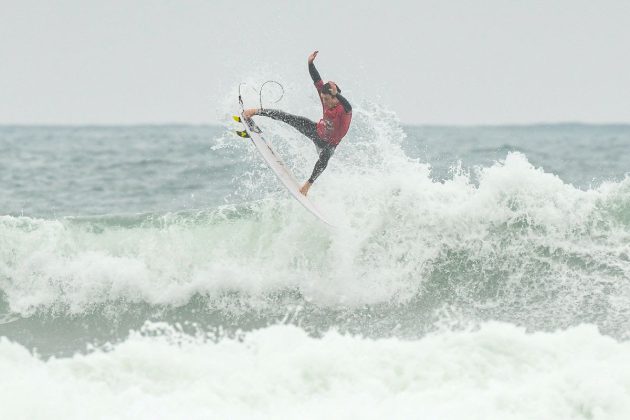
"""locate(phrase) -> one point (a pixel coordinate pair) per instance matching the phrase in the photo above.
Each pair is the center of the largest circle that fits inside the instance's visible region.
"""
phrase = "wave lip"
(520, 240)
(505, 241)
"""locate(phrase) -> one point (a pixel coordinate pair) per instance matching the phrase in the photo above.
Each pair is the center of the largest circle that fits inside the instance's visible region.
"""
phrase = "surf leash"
(260, 92)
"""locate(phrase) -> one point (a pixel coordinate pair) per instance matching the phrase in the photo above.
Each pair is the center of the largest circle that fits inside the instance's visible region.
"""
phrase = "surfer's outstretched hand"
(305, 188)
(248, 113)
(311, 57)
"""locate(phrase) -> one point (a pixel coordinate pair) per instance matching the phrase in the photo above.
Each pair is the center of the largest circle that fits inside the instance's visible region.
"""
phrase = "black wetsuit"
(309, 128)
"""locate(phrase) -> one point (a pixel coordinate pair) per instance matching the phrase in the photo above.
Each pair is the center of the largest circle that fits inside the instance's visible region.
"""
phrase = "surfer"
(328, 132)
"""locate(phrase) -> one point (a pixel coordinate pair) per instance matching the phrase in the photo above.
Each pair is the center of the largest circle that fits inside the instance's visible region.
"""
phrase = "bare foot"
(248, 113)
(305, 188)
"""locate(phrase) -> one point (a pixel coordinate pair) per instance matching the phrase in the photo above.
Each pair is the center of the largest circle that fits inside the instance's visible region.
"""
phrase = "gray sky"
(435, 62)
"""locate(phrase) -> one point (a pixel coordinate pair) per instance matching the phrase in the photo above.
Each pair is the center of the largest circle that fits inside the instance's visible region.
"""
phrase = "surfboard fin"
(236, 118)
(243, 134)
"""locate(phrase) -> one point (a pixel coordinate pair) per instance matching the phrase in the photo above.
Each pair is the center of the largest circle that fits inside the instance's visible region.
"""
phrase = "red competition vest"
(335, 123)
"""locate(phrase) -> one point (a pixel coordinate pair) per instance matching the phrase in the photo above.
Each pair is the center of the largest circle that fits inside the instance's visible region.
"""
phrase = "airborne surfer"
(325, 134)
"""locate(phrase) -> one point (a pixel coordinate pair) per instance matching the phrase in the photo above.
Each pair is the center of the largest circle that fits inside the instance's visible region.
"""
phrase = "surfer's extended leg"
(324, 154)
(302, 124)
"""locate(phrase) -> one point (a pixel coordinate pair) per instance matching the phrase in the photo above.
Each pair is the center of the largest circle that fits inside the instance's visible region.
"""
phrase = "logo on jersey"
(329, 125)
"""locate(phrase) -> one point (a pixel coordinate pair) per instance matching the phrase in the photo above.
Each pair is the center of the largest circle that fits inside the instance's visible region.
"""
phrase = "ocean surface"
(162, 272)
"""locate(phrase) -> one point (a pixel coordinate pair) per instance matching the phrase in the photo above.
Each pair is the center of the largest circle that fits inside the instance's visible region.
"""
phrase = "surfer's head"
(328, 99)
(327, 88)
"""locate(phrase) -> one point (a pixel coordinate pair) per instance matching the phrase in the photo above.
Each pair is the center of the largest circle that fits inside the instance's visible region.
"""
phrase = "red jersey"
(335, 123)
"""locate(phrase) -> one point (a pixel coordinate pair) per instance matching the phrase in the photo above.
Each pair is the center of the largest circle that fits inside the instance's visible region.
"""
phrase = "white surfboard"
(279, 168)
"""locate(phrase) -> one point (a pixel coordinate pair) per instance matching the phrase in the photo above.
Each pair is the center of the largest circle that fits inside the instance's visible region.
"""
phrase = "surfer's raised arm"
(317, 79)
(311, 68)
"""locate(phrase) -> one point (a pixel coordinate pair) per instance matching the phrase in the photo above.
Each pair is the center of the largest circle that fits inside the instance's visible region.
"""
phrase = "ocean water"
(162, 272)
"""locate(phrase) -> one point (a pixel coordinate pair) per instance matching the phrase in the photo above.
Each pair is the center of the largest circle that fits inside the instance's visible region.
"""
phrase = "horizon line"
(209, 124)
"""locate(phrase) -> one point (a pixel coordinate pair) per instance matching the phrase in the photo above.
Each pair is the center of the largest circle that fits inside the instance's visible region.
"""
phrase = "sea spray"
(497, 371)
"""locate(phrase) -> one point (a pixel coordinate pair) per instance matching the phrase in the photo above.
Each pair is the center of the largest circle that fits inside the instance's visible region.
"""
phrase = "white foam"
(496, 372)
(396, 223)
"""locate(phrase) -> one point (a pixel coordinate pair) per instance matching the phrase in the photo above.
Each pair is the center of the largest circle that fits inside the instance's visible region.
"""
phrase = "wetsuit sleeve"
(344, 102)
(314, 73)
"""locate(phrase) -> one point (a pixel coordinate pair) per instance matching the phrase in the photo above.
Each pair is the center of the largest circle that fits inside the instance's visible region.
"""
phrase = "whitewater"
(162, 272)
